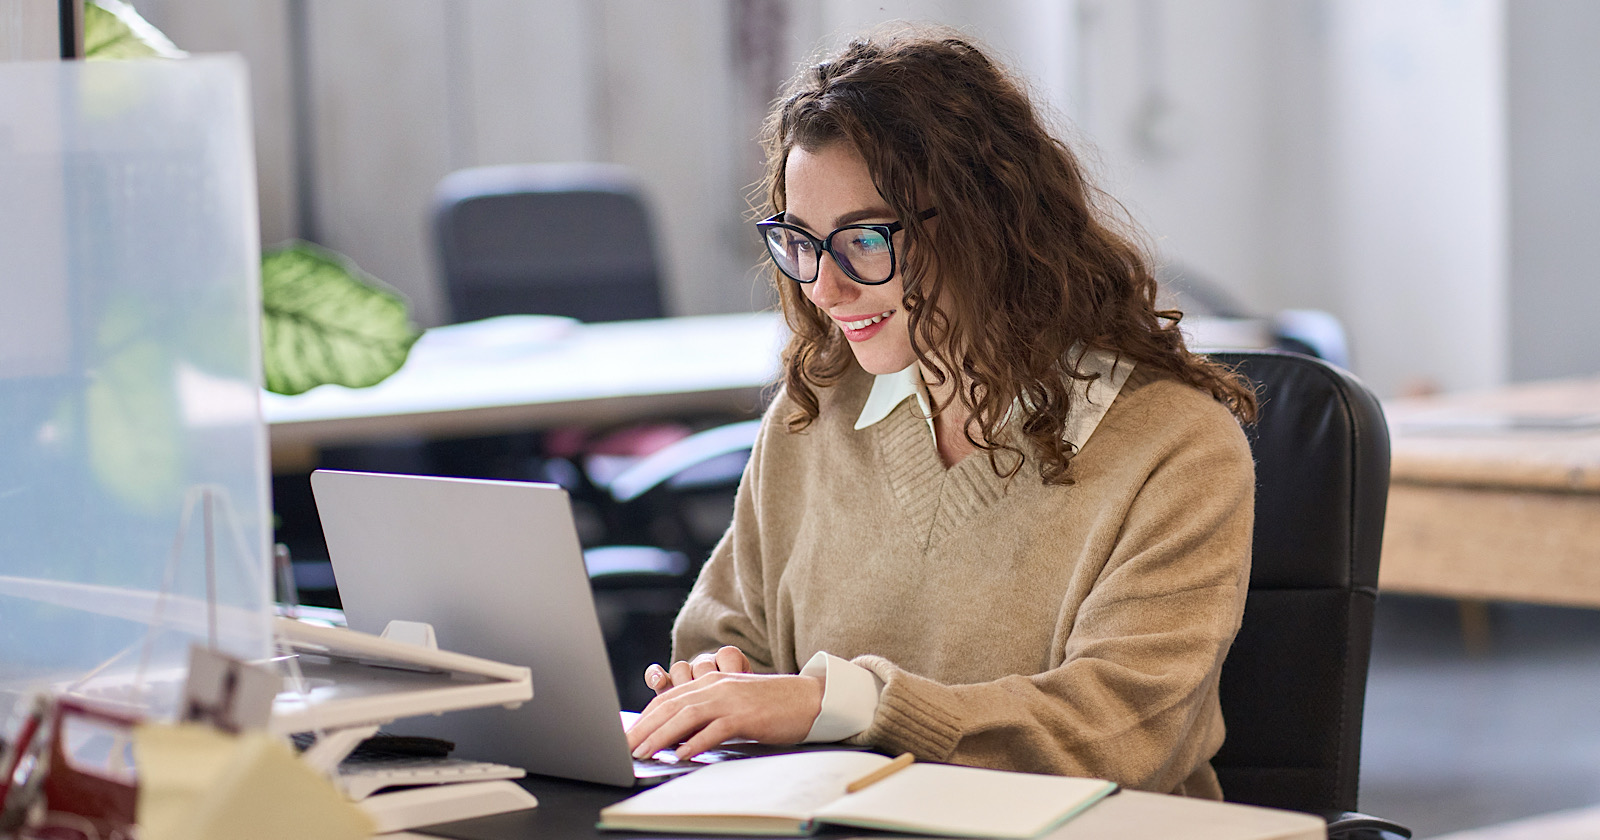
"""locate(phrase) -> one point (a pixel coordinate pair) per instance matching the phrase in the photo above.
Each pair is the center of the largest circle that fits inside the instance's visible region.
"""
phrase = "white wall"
(1554, 138)
(1174, 111)
(1420, 220)
(1309, 154)
(259, 30)
(1038, 38)
(670, 115)
(29, 30)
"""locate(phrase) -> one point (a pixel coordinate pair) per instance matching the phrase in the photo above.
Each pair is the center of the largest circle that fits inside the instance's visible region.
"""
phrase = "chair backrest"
(552, 239)
(1294, 683)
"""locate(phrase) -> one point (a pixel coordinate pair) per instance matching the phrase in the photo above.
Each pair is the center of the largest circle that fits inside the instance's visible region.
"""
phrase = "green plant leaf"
(112, 29)
(323, 322)
(131, 409)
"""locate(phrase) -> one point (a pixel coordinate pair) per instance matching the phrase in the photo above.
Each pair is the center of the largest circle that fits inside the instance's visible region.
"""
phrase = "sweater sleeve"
(727, 605)
(1132, 696)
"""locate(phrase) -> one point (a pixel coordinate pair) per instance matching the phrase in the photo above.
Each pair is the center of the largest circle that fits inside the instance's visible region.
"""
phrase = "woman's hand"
(728, 659)
(718, 705)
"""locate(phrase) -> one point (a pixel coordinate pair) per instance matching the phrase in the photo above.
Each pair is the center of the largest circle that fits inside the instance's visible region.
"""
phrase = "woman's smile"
(861, 328)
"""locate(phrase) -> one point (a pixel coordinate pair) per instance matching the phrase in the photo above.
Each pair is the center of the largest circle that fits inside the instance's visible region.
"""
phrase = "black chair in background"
(681, 497)
(1294, 685)
(671, 507)
(570, 239)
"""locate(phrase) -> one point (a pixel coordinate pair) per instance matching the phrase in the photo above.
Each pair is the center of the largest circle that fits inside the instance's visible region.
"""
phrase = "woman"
(998, 515)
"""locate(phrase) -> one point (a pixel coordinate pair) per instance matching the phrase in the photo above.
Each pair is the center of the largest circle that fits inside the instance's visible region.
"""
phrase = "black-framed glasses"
(865, 254)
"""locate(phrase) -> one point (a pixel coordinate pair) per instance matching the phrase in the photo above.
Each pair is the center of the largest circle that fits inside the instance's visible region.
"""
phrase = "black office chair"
(681, 497)
(570, 239)
(1294, 684)
(671, 507)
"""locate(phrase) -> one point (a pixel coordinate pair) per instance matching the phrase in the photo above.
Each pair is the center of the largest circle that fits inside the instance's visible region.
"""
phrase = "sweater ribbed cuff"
(915, 715)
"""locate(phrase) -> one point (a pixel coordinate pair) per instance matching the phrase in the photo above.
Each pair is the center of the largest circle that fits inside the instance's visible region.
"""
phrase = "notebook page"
(789, 786)
(967, 801)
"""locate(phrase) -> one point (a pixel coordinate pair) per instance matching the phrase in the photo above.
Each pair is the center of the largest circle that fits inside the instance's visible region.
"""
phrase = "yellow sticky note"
(177, 767)
(197, 783)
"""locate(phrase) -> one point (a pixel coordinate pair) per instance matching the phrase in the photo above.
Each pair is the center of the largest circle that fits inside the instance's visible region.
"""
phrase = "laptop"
(495, 567)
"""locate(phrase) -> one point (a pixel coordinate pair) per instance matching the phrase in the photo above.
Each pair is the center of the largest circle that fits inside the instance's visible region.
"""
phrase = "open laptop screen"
(496, 568)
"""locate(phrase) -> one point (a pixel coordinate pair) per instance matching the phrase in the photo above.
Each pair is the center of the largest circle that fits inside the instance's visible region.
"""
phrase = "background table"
(1495, 495)
(454, 386)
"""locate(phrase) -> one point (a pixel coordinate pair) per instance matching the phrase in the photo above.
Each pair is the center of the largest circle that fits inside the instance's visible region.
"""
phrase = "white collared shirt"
(1090, 399)
(850, 692)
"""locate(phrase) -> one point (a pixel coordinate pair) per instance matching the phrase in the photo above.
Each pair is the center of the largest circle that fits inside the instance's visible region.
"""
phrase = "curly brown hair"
(1026, 258)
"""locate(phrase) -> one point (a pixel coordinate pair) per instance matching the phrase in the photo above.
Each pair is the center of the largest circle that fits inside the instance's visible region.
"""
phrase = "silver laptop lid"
(495, 567)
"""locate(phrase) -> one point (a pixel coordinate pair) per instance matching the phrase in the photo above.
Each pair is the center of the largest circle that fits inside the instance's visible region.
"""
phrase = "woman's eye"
(869, 242)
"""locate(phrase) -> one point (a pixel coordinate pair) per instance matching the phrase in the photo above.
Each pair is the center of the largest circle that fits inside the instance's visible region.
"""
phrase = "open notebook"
(799, 794)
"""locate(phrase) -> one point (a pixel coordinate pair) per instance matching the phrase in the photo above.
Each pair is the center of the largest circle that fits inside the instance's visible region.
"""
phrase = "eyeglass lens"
(864, 253)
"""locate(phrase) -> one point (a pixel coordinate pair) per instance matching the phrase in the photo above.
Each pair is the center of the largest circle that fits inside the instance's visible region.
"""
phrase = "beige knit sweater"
(1075, 630)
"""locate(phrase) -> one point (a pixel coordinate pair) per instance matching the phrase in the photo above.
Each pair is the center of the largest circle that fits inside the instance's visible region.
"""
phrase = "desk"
(1495, 495)
(586, 373)
(569, 810)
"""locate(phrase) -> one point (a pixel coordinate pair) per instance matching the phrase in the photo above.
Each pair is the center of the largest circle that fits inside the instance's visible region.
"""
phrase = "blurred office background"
(1423, 170)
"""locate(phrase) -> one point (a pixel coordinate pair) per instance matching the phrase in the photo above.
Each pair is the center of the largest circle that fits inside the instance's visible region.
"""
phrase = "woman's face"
(827, 189)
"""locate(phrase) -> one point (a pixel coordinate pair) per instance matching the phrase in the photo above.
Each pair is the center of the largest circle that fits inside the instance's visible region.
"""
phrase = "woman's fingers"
(771, 709)
(715, 732)
(656, 678)
(668, 720)
(705, 663)
(652, 724)
(731, 660)
(727, 659)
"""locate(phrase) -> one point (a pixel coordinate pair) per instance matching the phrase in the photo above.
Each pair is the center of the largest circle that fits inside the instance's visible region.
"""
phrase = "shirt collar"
(891, 389)
(1090, 400)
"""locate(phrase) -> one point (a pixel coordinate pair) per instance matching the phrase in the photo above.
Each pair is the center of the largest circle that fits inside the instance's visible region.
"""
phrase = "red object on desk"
(75, 795)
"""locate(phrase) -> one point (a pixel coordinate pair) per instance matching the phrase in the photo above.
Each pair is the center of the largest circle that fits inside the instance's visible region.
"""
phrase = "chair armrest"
(1353, 825)
(673, 459)
(1316, 330)
(635, 566)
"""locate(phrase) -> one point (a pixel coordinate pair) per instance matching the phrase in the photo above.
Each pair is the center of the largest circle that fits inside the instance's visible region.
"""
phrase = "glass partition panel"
(133, 478)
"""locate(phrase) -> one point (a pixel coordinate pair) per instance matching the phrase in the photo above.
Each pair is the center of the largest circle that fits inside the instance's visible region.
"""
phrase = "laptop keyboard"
(664, 763)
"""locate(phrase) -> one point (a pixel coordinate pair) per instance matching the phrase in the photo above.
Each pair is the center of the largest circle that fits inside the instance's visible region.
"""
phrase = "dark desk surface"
(569, 810)
(566, 809)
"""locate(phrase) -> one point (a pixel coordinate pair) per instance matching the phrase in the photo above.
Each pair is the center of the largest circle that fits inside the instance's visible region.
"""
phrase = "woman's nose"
(832, 286)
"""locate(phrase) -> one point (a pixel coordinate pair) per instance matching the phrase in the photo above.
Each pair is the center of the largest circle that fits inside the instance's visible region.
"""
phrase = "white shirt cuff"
(849, 697)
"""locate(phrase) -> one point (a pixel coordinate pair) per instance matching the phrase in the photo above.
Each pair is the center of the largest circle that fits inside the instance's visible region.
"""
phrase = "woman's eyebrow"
(849, 218)
(869, 213)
